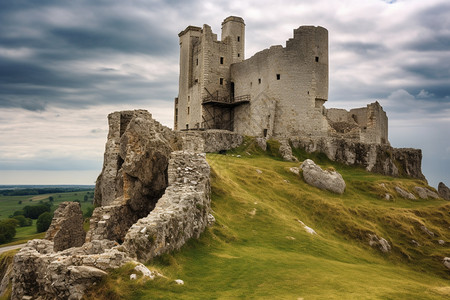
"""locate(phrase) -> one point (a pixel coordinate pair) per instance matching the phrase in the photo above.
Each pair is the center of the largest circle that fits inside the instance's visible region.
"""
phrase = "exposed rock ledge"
(375, 158)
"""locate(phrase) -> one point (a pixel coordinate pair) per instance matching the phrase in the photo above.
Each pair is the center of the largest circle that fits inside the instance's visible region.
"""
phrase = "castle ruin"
(277, 93)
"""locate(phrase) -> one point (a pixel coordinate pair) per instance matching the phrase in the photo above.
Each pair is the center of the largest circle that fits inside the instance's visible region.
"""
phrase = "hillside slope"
(258, 249)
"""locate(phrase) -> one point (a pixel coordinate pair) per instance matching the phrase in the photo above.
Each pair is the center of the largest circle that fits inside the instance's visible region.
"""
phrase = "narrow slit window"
(239, 55)
(188, 110)
(221, 60)
(278, 76)
(317, 59)
(196, 61)
(221, 81)
(259, 80)
(239, 39)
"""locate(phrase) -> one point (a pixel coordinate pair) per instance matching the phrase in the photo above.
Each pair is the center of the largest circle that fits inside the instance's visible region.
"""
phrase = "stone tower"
(205, 75)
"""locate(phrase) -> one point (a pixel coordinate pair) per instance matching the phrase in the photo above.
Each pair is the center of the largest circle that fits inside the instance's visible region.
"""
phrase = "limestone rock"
(145, 271)
(425, 193)
(326, 180)
(426, 230)
(404, 194)
(66, 229)
(179, 281)
(286, 151)
(374, 157)
(443, 191)
(262, 143)
(295, 170)
(446, 262)
(381, 243)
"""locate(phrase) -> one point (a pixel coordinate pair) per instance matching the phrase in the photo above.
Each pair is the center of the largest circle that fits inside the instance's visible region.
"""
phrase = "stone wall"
(287, 87)
(210, 140)
(181, 213)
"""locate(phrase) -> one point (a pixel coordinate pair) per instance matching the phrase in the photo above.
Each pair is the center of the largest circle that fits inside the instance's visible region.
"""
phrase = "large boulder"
(443, 191)
(66, 230)
(425, 193)
(326, 180)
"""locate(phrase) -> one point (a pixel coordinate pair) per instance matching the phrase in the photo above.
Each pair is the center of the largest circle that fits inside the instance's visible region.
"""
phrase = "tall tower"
(233, 34)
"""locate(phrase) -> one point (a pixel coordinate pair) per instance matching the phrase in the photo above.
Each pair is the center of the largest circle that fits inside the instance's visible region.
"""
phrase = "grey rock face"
(66, 229)
(381, 243)
(404, 194)
(443, 191)
(425, 193)
(286, 151)
(375, 158)
(181, 213)
(446, 262)
(326, 180)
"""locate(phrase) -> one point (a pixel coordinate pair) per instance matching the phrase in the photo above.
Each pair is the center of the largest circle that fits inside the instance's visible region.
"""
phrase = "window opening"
(196, 61)
(221, 60)
(278, 76)
(221, 81)
(259, 80)
(317, 59)
(265, 132)
(188, 110)
(187, 126)
(239, 55)
(239, 38)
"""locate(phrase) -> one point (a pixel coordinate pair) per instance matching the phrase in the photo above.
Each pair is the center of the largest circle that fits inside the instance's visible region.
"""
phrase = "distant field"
(10, 204)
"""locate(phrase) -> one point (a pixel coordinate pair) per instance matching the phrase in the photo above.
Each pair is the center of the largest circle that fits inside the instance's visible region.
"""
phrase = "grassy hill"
(258, 249)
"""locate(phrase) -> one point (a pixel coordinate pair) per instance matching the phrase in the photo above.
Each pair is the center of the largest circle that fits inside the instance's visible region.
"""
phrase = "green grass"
(258, 250)
(10, 204)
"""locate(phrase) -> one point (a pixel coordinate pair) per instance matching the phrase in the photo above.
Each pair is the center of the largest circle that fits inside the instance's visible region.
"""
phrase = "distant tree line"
(40, 191)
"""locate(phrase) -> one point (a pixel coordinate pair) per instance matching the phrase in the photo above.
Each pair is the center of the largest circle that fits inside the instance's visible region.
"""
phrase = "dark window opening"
(221, 60)
(259, 80)
(189, 98)
(239, 38)
(251, 83)
(239, 55)
(196, 61)
(188, 110)
(317, 59)
(265, 132)
(308, 92)
(187, 126)
(278, 76)
(221, 81)
(196, 80)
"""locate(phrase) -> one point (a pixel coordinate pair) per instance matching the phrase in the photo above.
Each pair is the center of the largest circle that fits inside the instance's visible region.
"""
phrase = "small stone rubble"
(326, 180)
(381, 243)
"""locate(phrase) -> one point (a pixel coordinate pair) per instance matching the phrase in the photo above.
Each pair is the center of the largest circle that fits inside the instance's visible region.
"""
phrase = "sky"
(64, 65)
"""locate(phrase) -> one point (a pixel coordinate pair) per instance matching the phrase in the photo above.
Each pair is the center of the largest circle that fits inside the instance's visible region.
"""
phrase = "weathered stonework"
(66, 230)
(375, 158)
(210, 140)
(277, 93)
(145, 183)
(181, 213)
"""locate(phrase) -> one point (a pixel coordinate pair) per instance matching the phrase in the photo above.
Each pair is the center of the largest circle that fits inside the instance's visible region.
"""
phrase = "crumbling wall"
(210, 140)
(181, 213)
(66, 230)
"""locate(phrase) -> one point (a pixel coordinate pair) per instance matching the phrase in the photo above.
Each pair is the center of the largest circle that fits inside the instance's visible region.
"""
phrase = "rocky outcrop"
(381, 243)
(425, 193)
(286, 151)
(180, 214)
(66, 230)
(446, 262)
(151, 199)
(134, 174)
(404, 194)
(443, 191)
(213, 140)
(326, 180)
(375, 158)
